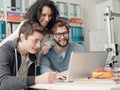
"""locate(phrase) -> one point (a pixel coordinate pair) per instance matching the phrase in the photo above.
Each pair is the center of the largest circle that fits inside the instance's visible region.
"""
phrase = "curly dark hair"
(34, 12)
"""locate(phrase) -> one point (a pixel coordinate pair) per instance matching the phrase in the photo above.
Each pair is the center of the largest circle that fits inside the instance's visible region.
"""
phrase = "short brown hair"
(60, 23)
(28, 28)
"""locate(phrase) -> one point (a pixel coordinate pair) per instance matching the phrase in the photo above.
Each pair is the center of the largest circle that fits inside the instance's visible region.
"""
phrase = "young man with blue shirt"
(59, 55)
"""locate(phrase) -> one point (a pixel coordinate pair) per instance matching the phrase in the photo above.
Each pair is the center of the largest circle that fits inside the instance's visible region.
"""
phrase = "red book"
(15, 18)
(76, 20)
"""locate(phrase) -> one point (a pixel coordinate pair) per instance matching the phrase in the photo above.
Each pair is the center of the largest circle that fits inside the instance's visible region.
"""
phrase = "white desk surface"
(76, 86)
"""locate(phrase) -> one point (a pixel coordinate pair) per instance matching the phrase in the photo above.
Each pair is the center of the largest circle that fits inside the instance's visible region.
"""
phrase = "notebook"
(83, 64)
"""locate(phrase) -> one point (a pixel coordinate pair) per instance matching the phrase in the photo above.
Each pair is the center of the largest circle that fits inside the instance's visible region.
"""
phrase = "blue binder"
(2, 29)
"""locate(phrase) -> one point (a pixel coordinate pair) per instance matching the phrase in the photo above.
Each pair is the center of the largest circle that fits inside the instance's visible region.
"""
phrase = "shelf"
(12, 12)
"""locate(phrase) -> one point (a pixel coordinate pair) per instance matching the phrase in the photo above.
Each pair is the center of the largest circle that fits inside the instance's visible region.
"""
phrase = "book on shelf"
(1, 5)
(14, 16)
(63, 9)
(26, 2)
(2, 29)
(8, 5)
(18, 5)
(13, 5)
(1, 15)
(9, 29)
(76, 21)
(77, 34)
(75, 10)
(14, 27)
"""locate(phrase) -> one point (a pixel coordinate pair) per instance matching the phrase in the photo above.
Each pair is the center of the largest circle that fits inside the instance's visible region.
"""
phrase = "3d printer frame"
(111, 46)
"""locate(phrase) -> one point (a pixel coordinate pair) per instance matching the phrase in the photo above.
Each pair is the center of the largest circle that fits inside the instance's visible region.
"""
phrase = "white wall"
(90, 19)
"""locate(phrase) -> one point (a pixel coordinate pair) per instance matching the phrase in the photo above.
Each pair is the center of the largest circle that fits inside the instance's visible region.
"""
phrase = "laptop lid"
(83, 64)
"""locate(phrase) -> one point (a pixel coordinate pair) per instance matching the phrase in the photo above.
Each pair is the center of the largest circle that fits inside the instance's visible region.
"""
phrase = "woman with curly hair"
(43, 12)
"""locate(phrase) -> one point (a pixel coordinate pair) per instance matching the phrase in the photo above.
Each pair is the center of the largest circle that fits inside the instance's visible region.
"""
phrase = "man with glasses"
(59, 55)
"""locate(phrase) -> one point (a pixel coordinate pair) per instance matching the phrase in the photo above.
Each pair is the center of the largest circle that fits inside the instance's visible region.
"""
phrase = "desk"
(76, 86)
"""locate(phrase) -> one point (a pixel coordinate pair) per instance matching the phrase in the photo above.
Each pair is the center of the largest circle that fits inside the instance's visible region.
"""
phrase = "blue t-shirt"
(54, 61)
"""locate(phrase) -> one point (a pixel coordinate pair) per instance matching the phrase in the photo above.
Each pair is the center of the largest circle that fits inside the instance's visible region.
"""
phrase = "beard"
(59, 44)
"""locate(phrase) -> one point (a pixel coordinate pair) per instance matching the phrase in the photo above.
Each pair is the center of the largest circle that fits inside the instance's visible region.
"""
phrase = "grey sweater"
(8, 78)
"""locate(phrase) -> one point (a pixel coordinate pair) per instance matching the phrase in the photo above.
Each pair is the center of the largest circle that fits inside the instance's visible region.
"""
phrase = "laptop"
(83, 64)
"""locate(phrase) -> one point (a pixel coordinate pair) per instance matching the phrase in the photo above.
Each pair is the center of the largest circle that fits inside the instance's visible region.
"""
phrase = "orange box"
(102, 75)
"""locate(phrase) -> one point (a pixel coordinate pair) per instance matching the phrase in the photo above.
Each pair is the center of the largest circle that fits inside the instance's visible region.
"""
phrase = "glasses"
(65, 34)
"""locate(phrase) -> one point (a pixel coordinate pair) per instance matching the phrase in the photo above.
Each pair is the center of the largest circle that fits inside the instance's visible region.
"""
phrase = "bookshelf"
(12, 12)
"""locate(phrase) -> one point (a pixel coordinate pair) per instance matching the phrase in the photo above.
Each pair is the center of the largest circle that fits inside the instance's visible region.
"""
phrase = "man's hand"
(48, 77)
(62, 75)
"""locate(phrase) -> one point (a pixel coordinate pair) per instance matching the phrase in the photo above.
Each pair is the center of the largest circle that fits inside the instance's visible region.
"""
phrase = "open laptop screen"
(83, 64)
